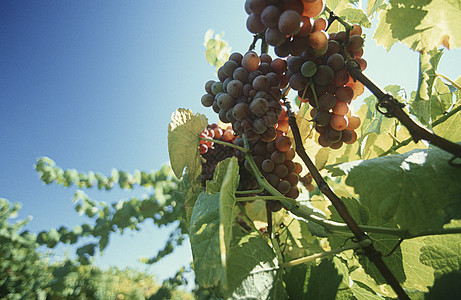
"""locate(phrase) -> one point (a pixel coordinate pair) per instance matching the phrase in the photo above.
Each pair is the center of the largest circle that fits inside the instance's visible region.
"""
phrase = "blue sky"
(92, 85)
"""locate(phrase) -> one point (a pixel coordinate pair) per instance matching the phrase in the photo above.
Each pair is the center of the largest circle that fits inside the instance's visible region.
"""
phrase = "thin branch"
(224, 143)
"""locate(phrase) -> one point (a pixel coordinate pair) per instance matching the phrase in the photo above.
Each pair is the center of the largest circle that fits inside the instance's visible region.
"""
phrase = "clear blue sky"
(92, 85)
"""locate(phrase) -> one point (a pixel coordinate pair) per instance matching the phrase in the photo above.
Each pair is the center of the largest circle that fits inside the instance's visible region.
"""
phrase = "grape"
(341, 37)
(240, 111)
(333, 47)
(283, 125)
(309, 68)
(229, 67)
(290, 165)
(230, 116)
(318, 39)
(339, 122)
(341, 78)
(279, 66)
(306, 26)
(324, 75)
(323, 141)
(222, 116)
(298, 81)
(269, 135)
(292, 177)
(295, 63)
(261, 83)
(357, 87)
(273, 179)
(247, 88)
(290, 154)
(353, 139)
(215, 106)
(320, 24)
(322, 118)
(225, 101)
(278, 157)
(289, 22)
(270, 16)
(340, 108)
(283, 143)
(247, 7)
(250, 61)
(217, 132)
(271, 147)
(235, 88)
(355, 42)
(208, 85)
(354, 122)
(221, 75)
(327, 101)
(203, 148)
(274, 205)
(225, 83)
(254, 24)
(293, 193)
(280, 170)
(274, 79)
(299, 44)
(313, 8)
(267, 165)
(336, 61)
(256, 6)
(252, 75)
(274, 37)
(296, 5)
(346, 136)
(237, 57)
(259, 126)
(333, 136)
(284, 187)
(207, 100)
(259, 107)
(357, 30)
(264, 68)
(344, 94)
(362, 62)
(216, 87)
(298, 169)
(283, 50)
(336, 145)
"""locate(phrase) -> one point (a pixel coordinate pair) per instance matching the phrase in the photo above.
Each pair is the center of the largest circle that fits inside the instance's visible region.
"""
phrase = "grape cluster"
(248, 94)
(213, 153)
(323, 81)
(288, 25)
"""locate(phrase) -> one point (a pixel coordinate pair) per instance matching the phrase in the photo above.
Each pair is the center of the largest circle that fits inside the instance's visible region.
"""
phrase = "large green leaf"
(253, 270)
(217, 50)
(183, 141)
(450, 128)
(420, 24)
(411, 190)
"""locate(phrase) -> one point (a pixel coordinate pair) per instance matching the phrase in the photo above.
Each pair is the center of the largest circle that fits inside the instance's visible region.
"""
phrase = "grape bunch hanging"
(248, 92)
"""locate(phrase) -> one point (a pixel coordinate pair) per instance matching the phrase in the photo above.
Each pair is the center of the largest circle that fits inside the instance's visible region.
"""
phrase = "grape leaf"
(324, 281)
(443, 252)
(204, 239)
(446, 287)
(411, 190)
(420, 25)
(421, 106)
(217, 51)
(450, 128)
(252, 270)
(183, 142)
(373, 6)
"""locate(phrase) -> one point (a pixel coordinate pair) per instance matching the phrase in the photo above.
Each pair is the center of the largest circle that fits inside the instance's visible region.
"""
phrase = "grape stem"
(312, 86)
(370, 251)
(224, 143)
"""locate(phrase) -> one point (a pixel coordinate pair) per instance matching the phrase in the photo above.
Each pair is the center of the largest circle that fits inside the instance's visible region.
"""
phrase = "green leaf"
(446, 287)
(183, 142)
(356, 16)
(420, 25)
(450, 128)
(324, 281)
(253, 270)
(411, 190)
(204, 239)
(421, 106)
(217, 51)
(443, 252)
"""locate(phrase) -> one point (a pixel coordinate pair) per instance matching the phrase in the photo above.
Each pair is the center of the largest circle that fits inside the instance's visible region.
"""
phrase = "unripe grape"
(241, 111)
(324, 75)
(235, 88)
(278, 157)
(259, 126)
(267, 165)
(308, 68)
(280, 170)
(216, 87)
(259, 106)
(207, 100)
(327, 101)
(284, 187)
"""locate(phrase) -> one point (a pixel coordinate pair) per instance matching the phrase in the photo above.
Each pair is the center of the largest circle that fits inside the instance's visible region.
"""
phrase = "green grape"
(309, 68)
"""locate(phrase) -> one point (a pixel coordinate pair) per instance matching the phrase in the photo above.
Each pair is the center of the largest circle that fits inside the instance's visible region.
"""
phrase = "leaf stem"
(225, 144)
(309, 258)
